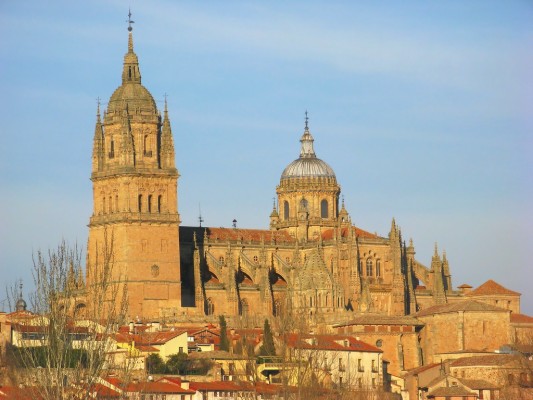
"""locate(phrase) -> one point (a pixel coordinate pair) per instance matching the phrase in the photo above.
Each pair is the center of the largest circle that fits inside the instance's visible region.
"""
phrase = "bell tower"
(135, 206)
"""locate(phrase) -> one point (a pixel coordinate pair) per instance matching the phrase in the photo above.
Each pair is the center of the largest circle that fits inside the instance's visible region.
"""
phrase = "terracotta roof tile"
(464, 305)
(521, 319)
(329, 233)
(157, 387)
(379, 319)
(477, 384)
(249, 235)
(329, 342)
(485, 361)
(450, 392)
(417, 370)
(491, 288)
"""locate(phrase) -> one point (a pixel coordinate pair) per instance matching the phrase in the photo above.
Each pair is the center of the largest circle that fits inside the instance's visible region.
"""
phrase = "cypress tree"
(268, 348)
(224, 341)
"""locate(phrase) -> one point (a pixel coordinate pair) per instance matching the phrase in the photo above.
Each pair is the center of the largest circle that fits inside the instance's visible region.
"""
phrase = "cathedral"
(310, 260)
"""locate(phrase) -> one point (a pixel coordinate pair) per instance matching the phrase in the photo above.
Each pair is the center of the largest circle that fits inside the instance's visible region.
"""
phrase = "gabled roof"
(464, 305)
(157, 387)
(478, 384)
(379, 319)
(491, 288)
(328, 234)
(489, 360)
(451, 391)
(521, 319)
(328, 342)
(418, 370)
(149, 338)
(249, 235)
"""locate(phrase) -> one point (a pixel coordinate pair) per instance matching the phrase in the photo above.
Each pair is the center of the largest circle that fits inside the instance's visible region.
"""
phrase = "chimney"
(185, 385)
(131, 327)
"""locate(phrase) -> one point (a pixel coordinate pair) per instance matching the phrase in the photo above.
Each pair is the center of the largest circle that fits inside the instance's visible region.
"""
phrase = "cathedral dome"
(134, 95)
(308, 164)
(131, 93)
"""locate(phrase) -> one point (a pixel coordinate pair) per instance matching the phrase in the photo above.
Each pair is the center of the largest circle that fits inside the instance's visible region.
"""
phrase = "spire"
(98, 142)
(130, 72)
(167, 143)
(307, 150)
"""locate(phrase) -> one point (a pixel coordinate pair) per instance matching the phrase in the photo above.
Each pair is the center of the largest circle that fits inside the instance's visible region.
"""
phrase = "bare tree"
(63, 347)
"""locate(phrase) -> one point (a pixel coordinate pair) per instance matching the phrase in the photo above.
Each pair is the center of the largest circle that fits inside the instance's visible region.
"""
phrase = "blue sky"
(423, 109)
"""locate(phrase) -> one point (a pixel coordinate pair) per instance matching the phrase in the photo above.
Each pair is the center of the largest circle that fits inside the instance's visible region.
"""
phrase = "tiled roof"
(477, 384)
(215, 355)
(220, 386)
(417, 370)
(328, 234)
(521, 319)
(149, 338)
(450, 391)
(378, 319)
(485, 361)
(465, 286)
(249, 235)
(491, 288)
(464, 305)
(329, 342)
(103, 392)
(157, 387)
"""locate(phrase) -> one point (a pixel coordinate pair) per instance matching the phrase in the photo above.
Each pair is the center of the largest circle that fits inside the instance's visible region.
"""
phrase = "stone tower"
(135, 207)
(308, 194)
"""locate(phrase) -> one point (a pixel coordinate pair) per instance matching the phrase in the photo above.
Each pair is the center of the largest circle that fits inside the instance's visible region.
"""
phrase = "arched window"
(159, 203)
(378, 268)
(285, 210)
(210, 307)
(324, 209)
(303, 204)
(140, 201)
(368, 267)
(116, 202)
(149, 203)
(103, 204)
(110, 205)
(112, 149)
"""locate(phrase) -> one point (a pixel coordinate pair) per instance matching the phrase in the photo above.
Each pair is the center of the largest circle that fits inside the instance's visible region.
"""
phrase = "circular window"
(379, 342)
(155, 270)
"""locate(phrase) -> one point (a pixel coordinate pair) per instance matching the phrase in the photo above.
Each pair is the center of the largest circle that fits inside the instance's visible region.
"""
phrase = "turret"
(167, 143)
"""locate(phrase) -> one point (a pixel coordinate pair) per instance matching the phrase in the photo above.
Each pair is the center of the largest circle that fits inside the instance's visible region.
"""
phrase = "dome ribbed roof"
(131, 93)
(307, 165)
(134, 94)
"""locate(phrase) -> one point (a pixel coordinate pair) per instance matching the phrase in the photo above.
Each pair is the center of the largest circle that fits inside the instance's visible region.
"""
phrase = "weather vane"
(129, 21)
(306, 120)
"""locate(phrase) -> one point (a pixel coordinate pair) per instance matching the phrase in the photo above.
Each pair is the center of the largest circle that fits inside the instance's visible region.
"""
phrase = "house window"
(256, 259)
(149, 203)
(342, 367)
(221, 259)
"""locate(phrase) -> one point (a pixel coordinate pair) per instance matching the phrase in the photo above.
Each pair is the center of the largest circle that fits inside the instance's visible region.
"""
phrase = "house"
(341, 361)
(164, 343)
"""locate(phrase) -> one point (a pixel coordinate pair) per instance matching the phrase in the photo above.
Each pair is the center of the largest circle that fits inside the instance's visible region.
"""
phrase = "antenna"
(200, 219)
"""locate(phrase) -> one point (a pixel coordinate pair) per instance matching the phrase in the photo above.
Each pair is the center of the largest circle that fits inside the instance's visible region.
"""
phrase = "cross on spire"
(306, 121)
(129, 21)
